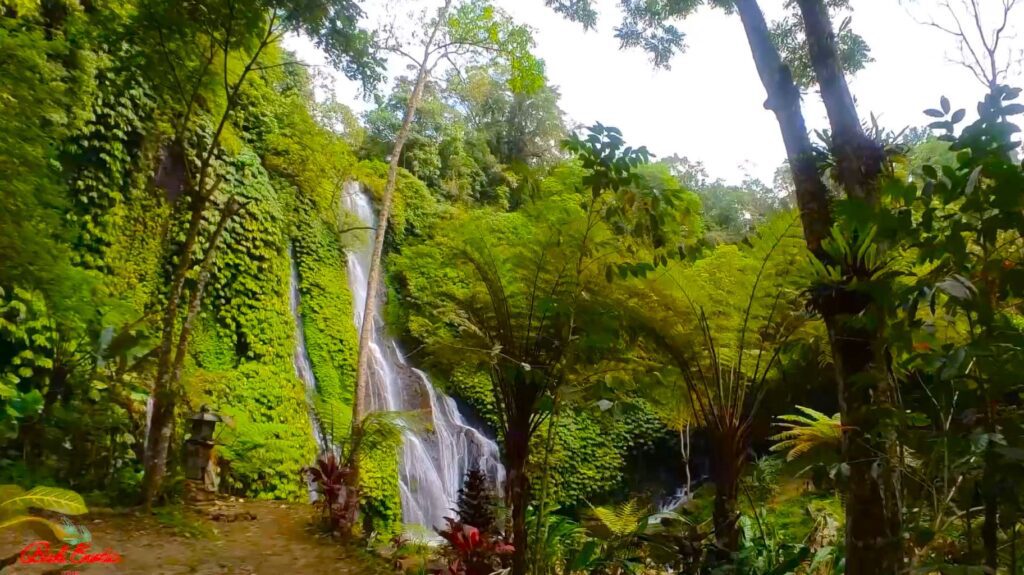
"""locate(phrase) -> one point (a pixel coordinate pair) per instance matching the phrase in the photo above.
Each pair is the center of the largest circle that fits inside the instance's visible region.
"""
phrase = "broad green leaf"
(51, 499)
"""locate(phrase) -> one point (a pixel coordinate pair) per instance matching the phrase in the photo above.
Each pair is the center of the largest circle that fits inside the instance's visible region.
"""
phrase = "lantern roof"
(205, 415)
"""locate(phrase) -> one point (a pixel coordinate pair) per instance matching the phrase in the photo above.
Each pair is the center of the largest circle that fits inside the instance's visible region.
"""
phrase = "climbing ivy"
(106, 156)
(267, 439)
(254, 310)
(379, 496)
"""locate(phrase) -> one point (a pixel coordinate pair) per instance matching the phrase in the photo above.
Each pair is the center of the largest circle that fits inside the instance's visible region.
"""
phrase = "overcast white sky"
(709, 105)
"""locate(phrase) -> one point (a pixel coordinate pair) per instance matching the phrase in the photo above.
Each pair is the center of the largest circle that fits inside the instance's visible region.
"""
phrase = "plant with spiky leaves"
(804, 433)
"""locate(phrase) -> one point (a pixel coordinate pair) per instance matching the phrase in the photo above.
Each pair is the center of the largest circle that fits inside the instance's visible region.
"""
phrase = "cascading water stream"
(433, 461)
(300, 360)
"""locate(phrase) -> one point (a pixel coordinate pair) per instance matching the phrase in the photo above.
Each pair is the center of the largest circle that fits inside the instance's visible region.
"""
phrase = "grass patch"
(184, 523)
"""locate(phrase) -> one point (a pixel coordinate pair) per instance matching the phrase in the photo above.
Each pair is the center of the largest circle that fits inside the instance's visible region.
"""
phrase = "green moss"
(583, 460)
(267, 439)
(379, 497)
(473, 385)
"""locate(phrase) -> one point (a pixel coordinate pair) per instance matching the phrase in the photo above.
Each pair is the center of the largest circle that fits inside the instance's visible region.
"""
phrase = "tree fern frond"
(802, 433)
(622, 519)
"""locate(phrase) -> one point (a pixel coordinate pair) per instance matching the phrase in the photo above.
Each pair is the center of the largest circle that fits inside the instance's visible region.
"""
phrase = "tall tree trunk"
(873, 537)
(373, 280)
(165, 391)
(858, 159)
(873, 514)
(155, 464)
(873, 525)
(384, 212)
(164, 386)
(867, 393)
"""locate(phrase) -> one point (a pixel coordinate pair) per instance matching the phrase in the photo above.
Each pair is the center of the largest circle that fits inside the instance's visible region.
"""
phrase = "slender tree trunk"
(859, 159)
(873, 536)
(158, 435)
(867, 393)
(165, 392)
(359, 407)
(873, 514)
(517, 454)
(684, 446)
(784, 101)
(373, 280)
(384, 212)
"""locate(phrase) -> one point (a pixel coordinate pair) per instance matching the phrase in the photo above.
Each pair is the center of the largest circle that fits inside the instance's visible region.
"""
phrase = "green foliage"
(16, 502)
(377, 445)
(331, 338)
(28, 347)
(803, 433)
(583, 463)
(379, 496)
(269, 441)
(108, 156)
(473, 385)
(789, 36)
(651, 26)
(413, 205)
(41, 102)
(476, 25)
(622, 519)
(251, 308)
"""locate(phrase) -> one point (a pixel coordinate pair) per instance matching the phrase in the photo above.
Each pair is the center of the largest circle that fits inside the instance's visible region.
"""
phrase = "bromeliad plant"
(473, 552)
(334, 474)
(336, 497)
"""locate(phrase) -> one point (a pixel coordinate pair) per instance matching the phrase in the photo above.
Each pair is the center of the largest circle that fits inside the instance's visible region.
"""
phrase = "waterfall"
(300, 359)
(433, 461)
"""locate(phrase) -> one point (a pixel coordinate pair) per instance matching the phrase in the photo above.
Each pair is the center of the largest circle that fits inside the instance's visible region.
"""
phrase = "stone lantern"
(200, 444)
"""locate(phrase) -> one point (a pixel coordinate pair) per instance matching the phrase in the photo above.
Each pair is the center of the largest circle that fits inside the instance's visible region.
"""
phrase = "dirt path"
(279, 541)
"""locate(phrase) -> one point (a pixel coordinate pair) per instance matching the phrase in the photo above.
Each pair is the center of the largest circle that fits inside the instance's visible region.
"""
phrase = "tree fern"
(804, 433)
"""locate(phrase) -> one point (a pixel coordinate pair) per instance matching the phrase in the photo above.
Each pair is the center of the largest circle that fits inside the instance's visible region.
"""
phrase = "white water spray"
(300, 360)
(434, 461)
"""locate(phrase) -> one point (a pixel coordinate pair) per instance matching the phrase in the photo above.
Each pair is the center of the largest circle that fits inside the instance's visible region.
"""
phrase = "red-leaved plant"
(337, 500)
(472, 552)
